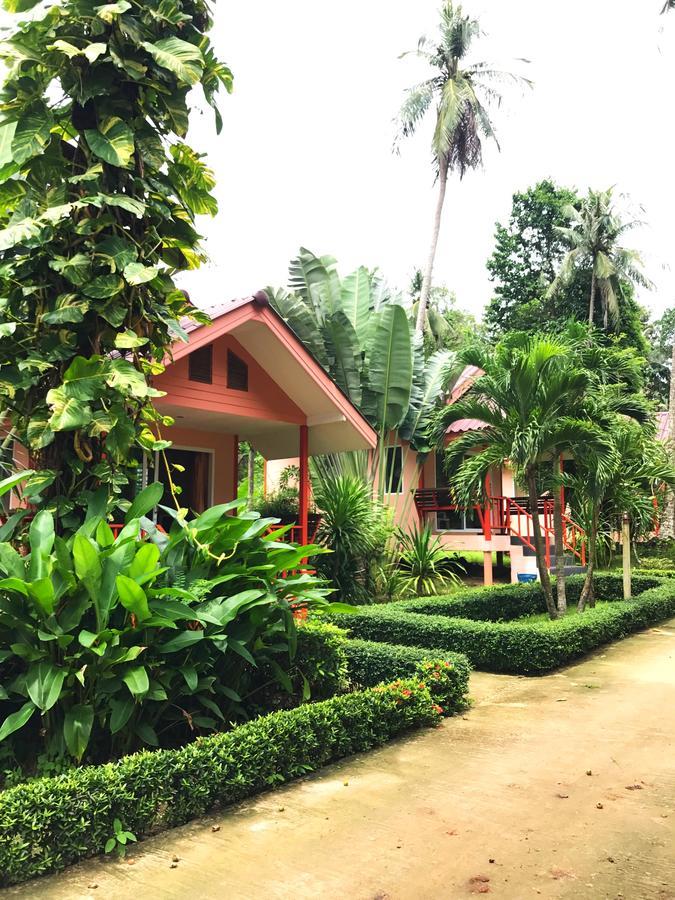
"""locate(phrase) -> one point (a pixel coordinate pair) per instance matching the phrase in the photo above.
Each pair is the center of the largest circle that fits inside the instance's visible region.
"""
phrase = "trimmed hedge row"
(370, 663)
(504, 603)
(513, 647)
(50, 823)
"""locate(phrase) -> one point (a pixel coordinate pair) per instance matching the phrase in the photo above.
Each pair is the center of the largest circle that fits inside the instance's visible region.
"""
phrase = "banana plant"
(362, 333)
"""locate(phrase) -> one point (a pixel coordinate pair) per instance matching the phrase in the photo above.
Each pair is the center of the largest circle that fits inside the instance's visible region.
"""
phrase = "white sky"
(305, 153)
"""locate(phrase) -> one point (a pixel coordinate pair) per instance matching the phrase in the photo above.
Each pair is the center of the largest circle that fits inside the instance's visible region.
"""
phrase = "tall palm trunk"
(670, 508)
(591, 305)
(539, 548)
(428, 272)
(559, 540)
(587, 596)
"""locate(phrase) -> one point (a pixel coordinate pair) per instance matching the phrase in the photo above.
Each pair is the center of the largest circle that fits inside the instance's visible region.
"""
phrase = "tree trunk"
(559, 541)
(539, 549)
(669, 515)
(428, 272)
(251, 477)
(591, 305)
(587, 596)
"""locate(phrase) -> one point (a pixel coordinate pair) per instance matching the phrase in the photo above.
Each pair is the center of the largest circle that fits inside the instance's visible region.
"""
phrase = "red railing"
(510, 515)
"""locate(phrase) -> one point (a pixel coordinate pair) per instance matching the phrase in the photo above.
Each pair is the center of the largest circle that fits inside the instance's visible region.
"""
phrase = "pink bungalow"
(247, 377)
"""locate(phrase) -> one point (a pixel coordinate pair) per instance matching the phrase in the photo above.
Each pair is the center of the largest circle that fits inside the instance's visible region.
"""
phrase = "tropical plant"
(594, 237)
(108, 641)
(634, 470)
(527, 398)
(98, 201)
(460, 91)
(426, 567)
(354, 527)
(363, 335)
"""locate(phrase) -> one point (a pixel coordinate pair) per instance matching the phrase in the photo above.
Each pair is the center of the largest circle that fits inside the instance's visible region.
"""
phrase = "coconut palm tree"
(526, 398)
(460, 91)
(593, 236)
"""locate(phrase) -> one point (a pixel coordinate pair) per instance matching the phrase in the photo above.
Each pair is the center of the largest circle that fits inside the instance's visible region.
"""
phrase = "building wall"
(222, 447)
(264, 399)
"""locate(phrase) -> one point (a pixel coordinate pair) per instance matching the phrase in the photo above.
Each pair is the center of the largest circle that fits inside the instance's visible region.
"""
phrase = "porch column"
(235, 466)
(304, 484)
(487, 568)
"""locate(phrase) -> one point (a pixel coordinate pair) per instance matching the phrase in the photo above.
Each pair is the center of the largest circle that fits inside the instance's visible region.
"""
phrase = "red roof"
(462, 385)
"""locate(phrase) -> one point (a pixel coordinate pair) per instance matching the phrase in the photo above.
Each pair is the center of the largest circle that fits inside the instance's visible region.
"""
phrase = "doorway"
(191, 472)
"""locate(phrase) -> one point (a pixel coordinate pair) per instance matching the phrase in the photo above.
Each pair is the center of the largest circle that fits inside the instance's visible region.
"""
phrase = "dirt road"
(561, 786)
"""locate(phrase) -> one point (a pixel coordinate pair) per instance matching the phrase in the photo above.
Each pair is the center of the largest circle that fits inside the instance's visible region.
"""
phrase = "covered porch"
(247, 377)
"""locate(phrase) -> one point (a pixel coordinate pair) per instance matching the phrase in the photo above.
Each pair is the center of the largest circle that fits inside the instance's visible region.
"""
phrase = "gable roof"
(334, 423)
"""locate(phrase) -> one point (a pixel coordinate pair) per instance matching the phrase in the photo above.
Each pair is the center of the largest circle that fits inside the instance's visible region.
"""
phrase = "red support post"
(235, 466)
(304, 484)
(487, 520)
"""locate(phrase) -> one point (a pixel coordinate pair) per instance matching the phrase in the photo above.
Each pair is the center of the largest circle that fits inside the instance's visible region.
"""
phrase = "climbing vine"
(98, 199)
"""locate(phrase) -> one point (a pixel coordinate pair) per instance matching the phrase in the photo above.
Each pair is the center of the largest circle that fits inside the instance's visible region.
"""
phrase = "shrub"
(511, 646)
(354, 527)
(652, 563)
(370, 663)
(109, 641)
(426, 567)
(654, 573)
(47, 824)
(505, 603)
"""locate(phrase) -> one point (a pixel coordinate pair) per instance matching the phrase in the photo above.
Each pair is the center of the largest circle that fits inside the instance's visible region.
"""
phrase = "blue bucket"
(526, 578)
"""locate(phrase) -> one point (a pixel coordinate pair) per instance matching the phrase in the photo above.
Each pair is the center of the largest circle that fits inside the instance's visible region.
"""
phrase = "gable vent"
(237, 372)
(201, 365)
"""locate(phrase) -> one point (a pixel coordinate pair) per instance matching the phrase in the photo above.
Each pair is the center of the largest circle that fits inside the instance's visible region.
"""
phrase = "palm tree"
(593, 237)
(624, 479)
(525, 398)
(459, 90)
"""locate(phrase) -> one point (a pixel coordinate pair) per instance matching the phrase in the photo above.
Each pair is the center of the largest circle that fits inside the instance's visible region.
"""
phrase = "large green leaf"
(87, 562)
(33, 132)
(121, 710)
(41, 542)
(300, 317)
(103, 287)
(183, 59)
(343, 347)
(77, 729)
(137, 273)
(113, 142)
(356, 301)
(146, 501)
(136, 679)
(390, 369)
(428, 389)
(9, 483)
(17, 720)
(44, 681)
(181, 641)
(133, 597)
(68, 414)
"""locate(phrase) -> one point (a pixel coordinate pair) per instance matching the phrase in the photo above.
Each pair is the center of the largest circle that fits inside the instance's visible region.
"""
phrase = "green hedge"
(514, 647)
(49, 823)
(654, 573)
(370, 663)
(504, 603)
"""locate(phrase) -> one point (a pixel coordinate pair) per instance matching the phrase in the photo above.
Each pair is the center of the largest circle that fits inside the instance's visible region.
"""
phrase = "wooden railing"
(510, 515)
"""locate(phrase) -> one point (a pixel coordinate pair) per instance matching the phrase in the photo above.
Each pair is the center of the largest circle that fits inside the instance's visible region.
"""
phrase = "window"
(393, 470)
(453, 519)
(237, 372)
(200, 365)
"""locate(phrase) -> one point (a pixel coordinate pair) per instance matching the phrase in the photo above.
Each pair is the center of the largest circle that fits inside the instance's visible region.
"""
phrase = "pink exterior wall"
(222, 468)
(264, 399)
